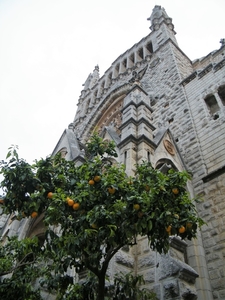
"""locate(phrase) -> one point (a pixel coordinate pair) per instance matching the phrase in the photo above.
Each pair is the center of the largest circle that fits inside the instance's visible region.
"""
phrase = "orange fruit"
(147, 188)
(182, 229)
(34, 214)
(189, 225)
(50, 195)
(111, 190)
(70, 202)
(1, 201)
(76, 206)
(91, 182)
(97, 178)
(175, 191)
(136, 206)
(94, 226)
(168, 229)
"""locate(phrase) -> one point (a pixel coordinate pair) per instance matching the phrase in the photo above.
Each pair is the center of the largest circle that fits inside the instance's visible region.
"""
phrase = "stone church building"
(158, 105)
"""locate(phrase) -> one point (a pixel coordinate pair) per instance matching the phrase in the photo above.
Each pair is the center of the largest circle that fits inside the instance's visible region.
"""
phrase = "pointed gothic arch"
(37, 228)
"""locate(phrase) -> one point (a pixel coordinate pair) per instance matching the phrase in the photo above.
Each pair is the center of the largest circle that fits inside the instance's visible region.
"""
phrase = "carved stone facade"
(158, 105)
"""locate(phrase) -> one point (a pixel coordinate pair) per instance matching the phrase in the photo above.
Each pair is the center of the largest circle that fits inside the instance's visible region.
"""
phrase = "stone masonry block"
(218, 284)
(149, 276)
(146, 262)
(171, 289)
(125, 259)
(214, 274)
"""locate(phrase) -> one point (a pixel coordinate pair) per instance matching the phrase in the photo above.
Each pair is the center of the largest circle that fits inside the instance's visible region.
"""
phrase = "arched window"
(141, 53)
(125, 63)
(63, 152)
(211, 104)
(221, 93)
(149, 47)
(132, 58)
(37, 228)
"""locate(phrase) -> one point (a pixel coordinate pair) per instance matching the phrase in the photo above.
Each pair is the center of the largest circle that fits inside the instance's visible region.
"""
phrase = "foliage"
(96, 208)
(18, 264)
(124, 287)
(127, 287)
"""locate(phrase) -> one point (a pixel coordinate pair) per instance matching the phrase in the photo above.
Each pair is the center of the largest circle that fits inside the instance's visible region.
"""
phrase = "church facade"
(158, 105)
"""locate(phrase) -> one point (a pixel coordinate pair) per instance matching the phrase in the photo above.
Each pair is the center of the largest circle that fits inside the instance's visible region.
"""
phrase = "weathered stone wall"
(210, 133)
(210, 130)
(213, 57)
(168, 275)
(212, 210)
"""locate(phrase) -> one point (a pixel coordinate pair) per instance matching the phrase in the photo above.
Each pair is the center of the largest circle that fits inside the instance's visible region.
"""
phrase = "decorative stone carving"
(169, 147)
(112, 117)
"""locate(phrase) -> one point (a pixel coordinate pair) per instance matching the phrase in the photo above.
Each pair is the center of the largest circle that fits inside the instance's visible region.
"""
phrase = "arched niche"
(112, 115)
(37, 228)
(165, 164)
(63, 152)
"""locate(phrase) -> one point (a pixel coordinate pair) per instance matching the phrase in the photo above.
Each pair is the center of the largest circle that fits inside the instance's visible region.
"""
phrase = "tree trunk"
(101, 286)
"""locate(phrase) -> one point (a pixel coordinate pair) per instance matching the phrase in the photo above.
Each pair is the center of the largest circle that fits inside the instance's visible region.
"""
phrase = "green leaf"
(8, 154)
(149, 225)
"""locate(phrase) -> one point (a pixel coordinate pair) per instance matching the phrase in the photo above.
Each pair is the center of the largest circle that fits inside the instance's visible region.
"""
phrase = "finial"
(222, 42)
(96, 68)
(95, 76)
(71, 126)
(158, 16)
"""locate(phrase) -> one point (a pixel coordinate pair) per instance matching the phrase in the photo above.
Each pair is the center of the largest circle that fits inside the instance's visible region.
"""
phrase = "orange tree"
(97, 209)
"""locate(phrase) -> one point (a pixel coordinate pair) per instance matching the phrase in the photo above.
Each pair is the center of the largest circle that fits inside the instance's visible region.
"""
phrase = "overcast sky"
(49, 47)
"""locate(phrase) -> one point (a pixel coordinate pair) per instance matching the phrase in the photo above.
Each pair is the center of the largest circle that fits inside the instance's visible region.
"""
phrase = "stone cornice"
(203, 72)
(219, 65)
(137, 105)
(189, 78)
(214, 174)
(136, 86)
(137, 123)
(136, 141)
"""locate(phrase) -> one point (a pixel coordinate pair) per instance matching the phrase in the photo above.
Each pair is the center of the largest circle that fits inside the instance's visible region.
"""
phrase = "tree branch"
(92, 269)
(19, 265)
(109, 255)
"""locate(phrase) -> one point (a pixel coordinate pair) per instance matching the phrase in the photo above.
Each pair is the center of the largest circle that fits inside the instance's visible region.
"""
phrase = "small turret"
(160, 21)
(95, 76)
(92, 79)
(158, 16)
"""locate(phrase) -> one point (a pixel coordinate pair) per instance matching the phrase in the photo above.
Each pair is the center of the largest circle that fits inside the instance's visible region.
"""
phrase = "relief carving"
(169, 147)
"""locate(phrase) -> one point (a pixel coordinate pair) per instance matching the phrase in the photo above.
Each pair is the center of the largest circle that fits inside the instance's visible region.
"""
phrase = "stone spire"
(161, 22)
(92, 79)
(222, 42)
(95, 76)
(159, 16)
